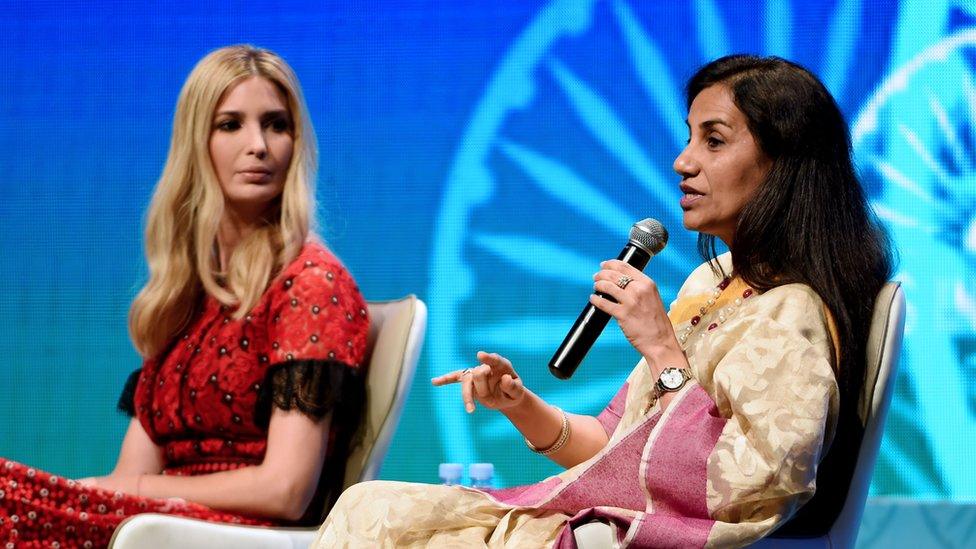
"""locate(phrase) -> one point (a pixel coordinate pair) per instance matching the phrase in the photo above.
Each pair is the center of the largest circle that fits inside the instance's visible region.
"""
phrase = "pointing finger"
(466, 394)
(448, 378)
(491, 359)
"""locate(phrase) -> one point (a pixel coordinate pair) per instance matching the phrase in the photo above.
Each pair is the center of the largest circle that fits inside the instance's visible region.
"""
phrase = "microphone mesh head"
(650, 235)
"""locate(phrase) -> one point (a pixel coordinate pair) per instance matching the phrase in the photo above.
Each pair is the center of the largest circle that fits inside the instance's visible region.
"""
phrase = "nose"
(685, 164)
(257, 144)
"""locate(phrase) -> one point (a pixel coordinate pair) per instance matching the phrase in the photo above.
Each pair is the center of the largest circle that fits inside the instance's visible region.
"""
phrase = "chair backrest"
(881, 360)
(396, 335)
(883, 349)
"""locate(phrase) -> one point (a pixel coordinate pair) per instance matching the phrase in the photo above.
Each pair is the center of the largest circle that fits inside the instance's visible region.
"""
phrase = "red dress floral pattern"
(207, 400)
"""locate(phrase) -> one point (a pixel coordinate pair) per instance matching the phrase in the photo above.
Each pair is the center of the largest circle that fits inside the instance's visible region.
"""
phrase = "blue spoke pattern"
(562, 183)
(779, 28)
(713, 40)
(610, 130)
(653, 72)
(840, 51)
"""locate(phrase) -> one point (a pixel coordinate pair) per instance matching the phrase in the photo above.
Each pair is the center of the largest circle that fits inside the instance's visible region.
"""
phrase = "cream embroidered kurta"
(731, 458)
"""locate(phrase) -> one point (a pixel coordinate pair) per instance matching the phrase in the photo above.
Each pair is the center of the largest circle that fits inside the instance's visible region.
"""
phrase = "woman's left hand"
(639, 310)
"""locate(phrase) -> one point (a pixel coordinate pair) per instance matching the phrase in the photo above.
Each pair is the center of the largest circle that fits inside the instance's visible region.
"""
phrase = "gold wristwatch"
(671, 380)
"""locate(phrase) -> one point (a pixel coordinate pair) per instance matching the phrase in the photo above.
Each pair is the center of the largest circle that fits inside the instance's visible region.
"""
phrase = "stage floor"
(890, 522)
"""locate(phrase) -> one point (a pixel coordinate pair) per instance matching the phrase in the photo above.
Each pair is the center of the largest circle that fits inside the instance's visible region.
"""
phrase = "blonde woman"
(253, 335)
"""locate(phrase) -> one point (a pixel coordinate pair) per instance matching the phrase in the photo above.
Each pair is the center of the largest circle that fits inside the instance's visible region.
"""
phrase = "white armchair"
(396, 337)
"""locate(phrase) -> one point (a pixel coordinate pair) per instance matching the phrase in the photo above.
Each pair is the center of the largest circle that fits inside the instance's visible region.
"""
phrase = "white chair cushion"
(151, 531)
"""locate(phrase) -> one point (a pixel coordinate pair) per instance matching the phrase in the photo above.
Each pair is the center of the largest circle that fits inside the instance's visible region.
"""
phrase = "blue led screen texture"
(485, 155)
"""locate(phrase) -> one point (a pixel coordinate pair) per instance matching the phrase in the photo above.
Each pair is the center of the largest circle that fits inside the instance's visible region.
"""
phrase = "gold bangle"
(560, 442)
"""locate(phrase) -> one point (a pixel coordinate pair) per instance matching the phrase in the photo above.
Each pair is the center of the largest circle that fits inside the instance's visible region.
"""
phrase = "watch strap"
(658, 389)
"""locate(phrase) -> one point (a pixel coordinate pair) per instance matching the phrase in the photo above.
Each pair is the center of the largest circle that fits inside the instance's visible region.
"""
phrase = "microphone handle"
(590, 323)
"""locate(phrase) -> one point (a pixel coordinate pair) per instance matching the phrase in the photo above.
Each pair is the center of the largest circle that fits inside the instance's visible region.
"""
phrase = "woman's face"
(251, 145)
(721, 167)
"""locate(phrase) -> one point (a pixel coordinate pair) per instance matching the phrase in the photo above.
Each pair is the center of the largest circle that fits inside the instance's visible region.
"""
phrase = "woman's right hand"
(127, 484)
(493, 383)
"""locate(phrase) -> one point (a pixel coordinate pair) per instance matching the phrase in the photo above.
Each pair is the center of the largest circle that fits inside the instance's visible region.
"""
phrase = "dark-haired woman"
(716, 437)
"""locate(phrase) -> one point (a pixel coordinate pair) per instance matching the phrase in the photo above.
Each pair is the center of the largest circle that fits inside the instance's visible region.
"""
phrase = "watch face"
(671, 378)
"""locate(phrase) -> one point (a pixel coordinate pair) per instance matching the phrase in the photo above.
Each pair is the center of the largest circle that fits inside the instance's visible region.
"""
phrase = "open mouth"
(689, 197)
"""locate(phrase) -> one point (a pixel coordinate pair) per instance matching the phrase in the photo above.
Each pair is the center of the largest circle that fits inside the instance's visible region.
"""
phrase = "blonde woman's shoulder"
(314, 256)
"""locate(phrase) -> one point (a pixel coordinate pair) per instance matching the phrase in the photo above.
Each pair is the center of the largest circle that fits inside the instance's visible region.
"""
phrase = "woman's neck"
(233, 229)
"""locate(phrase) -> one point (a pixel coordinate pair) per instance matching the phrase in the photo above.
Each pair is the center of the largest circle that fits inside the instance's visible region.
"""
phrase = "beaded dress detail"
(207, 401)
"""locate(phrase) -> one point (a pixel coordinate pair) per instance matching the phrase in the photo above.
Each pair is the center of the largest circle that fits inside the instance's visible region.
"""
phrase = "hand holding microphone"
(647, 238)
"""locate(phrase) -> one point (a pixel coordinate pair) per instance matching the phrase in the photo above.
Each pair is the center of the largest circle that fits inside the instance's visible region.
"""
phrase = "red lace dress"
(207, 402)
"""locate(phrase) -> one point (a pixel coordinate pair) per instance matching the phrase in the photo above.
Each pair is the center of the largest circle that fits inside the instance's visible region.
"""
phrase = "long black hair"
(809, 222)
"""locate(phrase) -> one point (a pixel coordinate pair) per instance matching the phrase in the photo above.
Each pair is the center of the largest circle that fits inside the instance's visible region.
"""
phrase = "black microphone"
(647, 239)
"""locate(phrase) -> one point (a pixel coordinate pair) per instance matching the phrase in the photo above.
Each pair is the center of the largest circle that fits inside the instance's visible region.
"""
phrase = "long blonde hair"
(187, 206)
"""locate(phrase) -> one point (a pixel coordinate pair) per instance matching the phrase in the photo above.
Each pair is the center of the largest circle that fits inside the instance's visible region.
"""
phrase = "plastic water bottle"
(481, 475)
(450, 473)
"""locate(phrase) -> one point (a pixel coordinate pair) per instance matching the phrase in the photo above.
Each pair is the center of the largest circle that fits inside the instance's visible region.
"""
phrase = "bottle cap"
(450, 470)
(481, 471)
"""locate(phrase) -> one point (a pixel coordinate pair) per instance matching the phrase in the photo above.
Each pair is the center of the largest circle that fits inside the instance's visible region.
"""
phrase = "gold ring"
(623, 281)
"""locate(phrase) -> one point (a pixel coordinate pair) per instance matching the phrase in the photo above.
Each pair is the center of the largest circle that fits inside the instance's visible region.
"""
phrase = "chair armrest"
(594, 535)
(599, 535)
(159, 531)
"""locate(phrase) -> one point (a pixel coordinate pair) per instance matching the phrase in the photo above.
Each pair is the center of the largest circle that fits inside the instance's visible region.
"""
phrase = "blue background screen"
(485, 155)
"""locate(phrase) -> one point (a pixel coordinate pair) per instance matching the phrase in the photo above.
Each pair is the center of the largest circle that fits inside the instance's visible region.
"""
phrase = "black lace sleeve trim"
(126, 402)
(315, 388)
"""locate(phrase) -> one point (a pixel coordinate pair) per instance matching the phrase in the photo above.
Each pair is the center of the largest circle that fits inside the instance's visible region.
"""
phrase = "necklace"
(723, 314)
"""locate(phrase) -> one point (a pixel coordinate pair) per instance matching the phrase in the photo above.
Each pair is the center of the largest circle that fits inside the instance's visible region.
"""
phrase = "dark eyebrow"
(709, 124)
